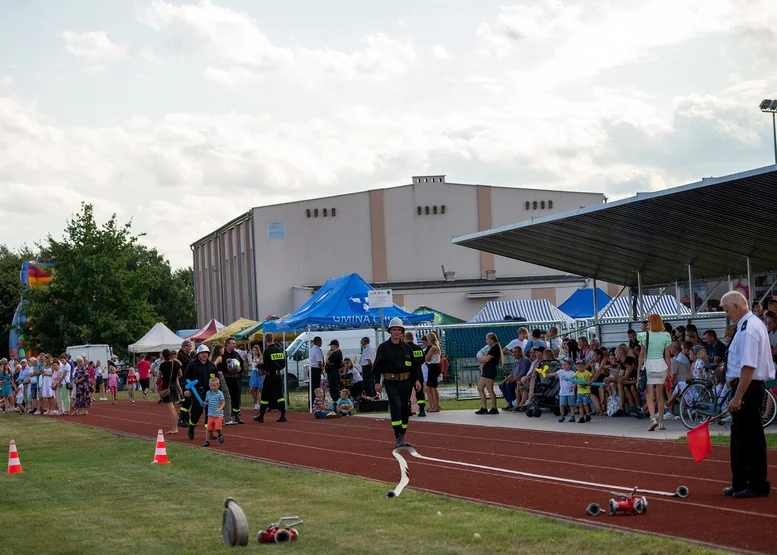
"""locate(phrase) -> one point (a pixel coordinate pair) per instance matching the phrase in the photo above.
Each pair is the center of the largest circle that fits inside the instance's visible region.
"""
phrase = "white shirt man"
(748, 365)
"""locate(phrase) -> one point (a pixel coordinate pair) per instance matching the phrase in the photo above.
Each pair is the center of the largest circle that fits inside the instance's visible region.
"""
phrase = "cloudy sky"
(182, 115)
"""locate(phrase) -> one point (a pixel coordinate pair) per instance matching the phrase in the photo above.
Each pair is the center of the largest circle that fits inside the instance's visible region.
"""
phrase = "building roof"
(713, 225)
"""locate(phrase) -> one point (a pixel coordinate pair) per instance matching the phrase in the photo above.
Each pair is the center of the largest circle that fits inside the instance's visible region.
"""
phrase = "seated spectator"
(508, 386)
(627, 386)
(350, 372)
(680, 373)
(716, 350)
(322, 409)
(528, 382)
(598, 374)
(521, 341)
(344, 403)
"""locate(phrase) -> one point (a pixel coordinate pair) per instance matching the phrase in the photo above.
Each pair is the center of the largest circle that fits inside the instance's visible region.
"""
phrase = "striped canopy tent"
(230, 331)
(256, 332)
(533, 311)
(621, 307)
(209, 329)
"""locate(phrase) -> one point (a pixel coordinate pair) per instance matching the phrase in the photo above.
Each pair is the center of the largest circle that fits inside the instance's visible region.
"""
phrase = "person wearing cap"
(200, 370)
(334, 361)
(273, 363)
(395, 362)
(748, 365)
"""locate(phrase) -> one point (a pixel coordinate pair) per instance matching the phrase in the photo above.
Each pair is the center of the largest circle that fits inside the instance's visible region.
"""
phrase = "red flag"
(699, 441)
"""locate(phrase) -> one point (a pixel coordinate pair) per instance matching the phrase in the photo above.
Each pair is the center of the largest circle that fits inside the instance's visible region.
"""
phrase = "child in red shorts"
(132, 380)
(214, 405)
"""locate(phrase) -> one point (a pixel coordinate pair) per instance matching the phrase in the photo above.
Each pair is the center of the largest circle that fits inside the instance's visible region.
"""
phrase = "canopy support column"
(707, 298)
(286, 373)
(750, 288)
(596, 311)
(677, 297)
(641, 299)
(768, 291)
(310, 376)
(692, 293)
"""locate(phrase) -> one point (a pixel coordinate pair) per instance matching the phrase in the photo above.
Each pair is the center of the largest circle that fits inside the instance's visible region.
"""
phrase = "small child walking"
(132, 380)
(214, 402)
(113, 384)
(584, 393)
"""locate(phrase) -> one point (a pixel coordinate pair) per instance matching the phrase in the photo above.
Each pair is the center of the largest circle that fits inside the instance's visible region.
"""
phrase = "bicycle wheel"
(768, 408)
(697, 405)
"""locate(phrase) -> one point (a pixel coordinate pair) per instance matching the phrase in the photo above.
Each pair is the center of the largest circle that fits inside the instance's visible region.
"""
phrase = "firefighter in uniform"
(395, 362)
(232, 365)
(273, 363)
(418, 356)
(748, 365)
(200, 369)
(186, 402)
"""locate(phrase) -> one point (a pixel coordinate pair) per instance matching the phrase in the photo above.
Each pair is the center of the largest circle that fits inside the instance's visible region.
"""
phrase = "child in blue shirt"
(322, 409)
(344, 403)
(214, 402)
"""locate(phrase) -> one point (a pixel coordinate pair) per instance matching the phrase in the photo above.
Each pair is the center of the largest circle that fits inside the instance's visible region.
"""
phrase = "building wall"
(314, 248)
(378, 234)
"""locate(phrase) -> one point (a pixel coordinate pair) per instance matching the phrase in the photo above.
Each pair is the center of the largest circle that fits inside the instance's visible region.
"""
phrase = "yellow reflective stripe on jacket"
(277, 356)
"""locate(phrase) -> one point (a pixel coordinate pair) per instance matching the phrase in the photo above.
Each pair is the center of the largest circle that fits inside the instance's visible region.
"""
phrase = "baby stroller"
(545, 393)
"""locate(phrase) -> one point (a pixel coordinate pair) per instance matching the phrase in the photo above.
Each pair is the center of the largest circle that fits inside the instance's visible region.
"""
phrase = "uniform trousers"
(196, 409)
(235, 387)
(748, 443)
(272, 393)
(333, 377)
(399, 403)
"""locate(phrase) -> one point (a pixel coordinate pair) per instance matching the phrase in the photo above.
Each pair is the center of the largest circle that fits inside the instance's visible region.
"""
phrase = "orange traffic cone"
(14, 466)
(160, 453)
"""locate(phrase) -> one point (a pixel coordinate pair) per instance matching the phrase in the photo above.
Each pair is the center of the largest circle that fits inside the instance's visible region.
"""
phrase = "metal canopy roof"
(712, 225)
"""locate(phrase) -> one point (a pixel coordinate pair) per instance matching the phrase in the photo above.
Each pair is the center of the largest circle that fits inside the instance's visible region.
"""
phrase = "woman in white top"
(655, 358)
(432, 359)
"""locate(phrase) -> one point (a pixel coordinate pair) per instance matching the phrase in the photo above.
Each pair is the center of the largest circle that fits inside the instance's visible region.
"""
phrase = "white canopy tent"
(158, 338)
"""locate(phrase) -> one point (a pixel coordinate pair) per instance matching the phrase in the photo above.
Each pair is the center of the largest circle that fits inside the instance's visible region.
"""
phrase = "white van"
(298, 357)
(94, 353)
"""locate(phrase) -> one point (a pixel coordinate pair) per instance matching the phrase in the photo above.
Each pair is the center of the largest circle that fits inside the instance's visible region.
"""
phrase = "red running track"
(363, 446)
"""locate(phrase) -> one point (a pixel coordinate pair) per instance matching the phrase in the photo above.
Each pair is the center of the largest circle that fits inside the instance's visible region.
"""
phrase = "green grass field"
(771, 440)
(90, 491)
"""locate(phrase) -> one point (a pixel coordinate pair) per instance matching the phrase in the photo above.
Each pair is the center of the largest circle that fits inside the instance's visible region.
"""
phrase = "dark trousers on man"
(399, 403)
(508, 390)
(748, 443)
(235, 388)
(272, 394)
(333, 377)
(420, 398)
(369, 381)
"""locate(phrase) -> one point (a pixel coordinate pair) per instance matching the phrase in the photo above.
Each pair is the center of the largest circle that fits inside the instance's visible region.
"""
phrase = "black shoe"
(221, 438)
(401, 442)
(259, 418)
(206, 444)
(494, 411)
(587, 417)
(422, 413)
(508, 409)
(750, 493)
(238, 421)
(729, 491)
(619, 412)
(190, 433)
(282, 418)
(481, 411)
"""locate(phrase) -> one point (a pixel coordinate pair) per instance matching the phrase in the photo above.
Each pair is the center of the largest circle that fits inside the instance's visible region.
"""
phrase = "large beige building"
(270, 259)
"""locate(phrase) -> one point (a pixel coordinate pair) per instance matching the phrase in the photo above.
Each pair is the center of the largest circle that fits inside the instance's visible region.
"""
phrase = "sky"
(181, 115)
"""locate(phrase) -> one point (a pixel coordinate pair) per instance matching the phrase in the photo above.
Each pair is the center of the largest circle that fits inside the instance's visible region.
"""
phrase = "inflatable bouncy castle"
(35, 273)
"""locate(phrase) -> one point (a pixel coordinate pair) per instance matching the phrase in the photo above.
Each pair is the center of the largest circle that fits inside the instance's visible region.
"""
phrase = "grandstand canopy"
(712, 225)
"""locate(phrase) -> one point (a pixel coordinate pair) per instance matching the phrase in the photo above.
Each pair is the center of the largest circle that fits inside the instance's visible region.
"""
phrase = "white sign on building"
(380, 298)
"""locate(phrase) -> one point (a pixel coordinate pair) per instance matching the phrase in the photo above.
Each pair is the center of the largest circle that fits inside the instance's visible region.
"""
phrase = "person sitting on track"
(322, 409)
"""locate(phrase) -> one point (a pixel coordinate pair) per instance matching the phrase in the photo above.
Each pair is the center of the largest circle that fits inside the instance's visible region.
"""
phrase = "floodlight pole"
(774, 131)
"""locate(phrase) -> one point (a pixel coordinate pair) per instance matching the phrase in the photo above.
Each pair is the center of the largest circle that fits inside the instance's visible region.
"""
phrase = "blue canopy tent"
(340, 303)
(581, 303)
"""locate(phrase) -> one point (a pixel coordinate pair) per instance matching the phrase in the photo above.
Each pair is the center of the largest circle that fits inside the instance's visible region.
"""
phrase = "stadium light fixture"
(769, 106)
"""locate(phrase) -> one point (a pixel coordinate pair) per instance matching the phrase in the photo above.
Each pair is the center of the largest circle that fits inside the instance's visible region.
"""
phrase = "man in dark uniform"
(394, 360)
(232, 365)
(418, 356)
(748, 365)
(334, 361)
(273, 363)
(200, 369)
(186, 403)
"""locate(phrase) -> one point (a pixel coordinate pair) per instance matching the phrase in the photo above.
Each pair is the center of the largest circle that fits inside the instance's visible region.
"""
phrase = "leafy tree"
(10, 289)
(96, 295)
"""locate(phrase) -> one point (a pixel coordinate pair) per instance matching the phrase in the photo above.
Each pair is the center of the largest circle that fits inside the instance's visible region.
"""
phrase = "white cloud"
(149, 55)
(92, 45)
(6, 80)
(441, 53)
(235, 38)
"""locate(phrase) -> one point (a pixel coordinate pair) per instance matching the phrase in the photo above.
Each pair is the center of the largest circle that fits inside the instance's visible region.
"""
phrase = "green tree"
(10, 289)
(96, 295)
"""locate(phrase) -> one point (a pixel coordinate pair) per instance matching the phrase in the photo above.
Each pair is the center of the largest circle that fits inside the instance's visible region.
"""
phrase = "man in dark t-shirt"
(334, 361)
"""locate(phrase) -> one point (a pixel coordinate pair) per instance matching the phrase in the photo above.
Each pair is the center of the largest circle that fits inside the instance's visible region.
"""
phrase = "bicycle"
(699, 402)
